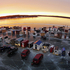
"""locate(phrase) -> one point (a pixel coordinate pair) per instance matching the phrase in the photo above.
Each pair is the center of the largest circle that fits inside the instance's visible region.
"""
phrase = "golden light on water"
(35, 22)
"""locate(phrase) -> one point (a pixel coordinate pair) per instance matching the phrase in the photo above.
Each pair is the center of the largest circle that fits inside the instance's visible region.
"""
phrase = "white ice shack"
(55, 35)
(37, 45)
(47, 34)
(34, 34)
(21, 33)
(7, 39)
(50, 29)
(45, 47)
(55, 29)
(9, 32)
(57, 51)
(65, 37)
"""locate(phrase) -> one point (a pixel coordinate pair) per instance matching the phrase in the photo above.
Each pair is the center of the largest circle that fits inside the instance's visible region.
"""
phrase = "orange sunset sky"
(30, 7)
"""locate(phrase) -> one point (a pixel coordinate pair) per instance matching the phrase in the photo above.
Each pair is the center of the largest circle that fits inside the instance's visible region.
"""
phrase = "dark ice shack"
(19, 41)
(30, 44)
(59, 34)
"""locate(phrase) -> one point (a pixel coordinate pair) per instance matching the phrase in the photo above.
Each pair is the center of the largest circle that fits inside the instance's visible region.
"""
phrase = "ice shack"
(19, 41)
(37, 45)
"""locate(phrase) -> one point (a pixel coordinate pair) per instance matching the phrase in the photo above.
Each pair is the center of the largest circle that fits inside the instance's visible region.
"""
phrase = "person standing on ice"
(63, 52)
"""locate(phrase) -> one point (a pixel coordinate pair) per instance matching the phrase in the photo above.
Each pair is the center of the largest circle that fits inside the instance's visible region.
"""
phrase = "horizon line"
(23, 16)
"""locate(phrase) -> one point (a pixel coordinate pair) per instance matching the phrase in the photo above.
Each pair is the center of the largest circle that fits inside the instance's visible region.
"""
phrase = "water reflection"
(35, 22)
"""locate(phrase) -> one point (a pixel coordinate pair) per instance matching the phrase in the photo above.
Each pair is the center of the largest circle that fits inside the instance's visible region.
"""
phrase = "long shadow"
(36, 65)
(11, 55)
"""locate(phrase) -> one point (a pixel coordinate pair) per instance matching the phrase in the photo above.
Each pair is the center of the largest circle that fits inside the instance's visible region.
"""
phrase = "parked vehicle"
(12, 48)
(25, 53)
(37, 59)
(2, 49)
(25, 43)
(12, 51)
(6, 47)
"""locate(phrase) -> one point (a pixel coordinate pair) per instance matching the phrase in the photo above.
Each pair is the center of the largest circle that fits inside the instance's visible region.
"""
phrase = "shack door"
(35, 46)
(22, 44)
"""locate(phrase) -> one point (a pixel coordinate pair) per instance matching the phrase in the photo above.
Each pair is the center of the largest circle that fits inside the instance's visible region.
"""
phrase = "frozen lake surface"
(49, 61)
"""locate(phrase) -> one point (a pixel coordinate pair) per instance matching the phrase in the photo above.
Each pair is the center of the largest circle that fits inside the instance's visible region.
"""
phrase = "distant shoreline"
(31, 16)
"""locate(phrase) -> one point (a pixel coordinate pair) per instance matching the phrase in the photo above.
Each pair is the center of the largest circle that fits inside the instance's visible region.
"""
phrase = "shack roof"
(19, 39)
(38, 42)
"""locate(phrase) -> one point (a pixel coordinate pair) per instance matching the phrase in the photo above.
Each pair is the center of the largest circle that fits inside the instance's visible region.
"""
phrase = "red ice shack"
(17, 32)
(52, 49)
(24, 28)
(29, 28)
(66, 30)
(25, 43)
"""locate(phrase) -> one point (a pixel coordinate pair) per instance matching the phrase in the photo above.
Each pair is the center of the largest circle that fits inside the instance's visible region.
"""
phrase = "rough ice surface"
(49, 61)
